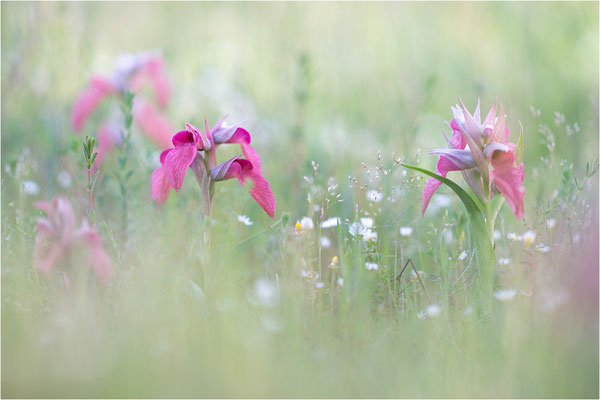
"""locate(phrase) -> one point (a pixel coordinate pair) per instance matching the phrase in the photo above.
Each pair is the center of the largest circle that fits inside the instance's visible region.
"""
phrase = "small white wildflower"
(304, 224)
(529, 237)
(340, 281)
(514, 236)
(433, 310)
(421, 315)
(421, 273)
(331, 222)
(319, 285)
(369, 235)
(542, 248)
(505, 294)
(265, 292)
(30, 187)
(325, 242)
(504, 261)
(64, 179)
(244, 220)
(442, 200)
(372, 266)
(374, 196)
(550, 223)
(406, 231)
(463, 255)
(497, 235)
(366, 222)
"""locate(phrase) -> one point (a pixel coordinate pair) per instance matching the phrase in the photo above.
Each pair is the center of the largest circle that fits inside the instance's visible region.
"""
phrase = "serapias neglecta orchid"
(58, 237)
(131, 73)
(484, 156)
(196, 150)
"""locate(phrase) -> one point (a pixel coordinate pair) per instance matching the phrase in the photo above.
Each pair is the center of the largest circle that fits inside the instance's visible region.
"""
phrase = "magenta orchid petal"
(88, 100)
(493, 146)
(461, 159)
(183, 138)
(229, 169)
(200, 138)
(46, 253)
(156, 70)
(108, 137)
(161, 187)
(431, 185)
(222, 134)
(56, 235)
(244, 170)
(100, 261)
(152, 124)
(177, 161)
(508, 180)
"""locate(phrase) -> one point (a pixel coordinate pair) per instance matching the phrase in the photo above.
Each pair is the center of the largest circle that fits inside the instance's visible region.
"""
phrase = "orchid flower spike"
(131, 72)
(57, 236)
(485, 157)
(196, 150)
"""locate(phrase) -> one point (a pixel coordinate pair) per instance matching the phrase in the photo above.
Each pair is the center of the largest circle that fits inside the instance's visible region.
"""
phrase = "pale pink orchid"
(131, 73)
(57, 238)
(196, 150)
(484, 156)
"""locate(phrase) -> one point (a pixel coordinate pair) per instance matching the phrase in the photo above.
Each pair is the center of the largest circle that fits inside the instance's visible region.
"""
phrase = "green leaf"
(483, 244)
(519, 148)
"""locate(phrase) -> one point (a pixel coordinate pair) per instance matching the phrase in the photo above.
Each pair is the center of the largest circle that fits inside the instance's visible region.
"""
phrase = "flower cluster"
(196, 150)
(131, 73)
(57, 237)
(474, 149)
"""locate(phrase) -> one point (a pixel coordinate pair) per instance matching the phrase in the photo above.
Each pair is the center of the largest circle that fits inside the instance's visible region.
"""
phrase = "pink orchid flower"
(57, 237)
(197, 150)
(131, 72)
(474, 149)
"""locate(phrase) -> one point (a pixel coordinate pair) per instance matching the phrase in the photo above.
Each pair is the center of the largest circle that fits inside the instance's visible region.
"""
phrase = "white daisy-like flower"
(529, 237)
(542, 248)
(366, 222)
(372, 266)
(504, 261)
(325, 242)
(374, 196)
(305, 224)
(331, 223)
(505, 295)
(551, 223)
(433, 310)
(64, 179)
(406, 231)
(319, 285)
(244, 220)
(30, 188)
(363, 229)
(340, 281)
(463, 255)
(421, 315)
(514, 236)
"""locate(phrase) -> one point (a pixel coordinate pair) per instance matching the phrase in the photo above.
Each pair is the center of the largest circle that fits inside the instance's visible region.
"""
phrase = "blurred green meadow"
(334, 96)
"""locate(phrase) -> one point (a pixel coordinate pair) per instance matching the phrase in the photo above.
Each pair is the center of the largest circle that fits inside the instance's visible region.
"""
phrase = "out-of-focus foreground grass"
(333, 84)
